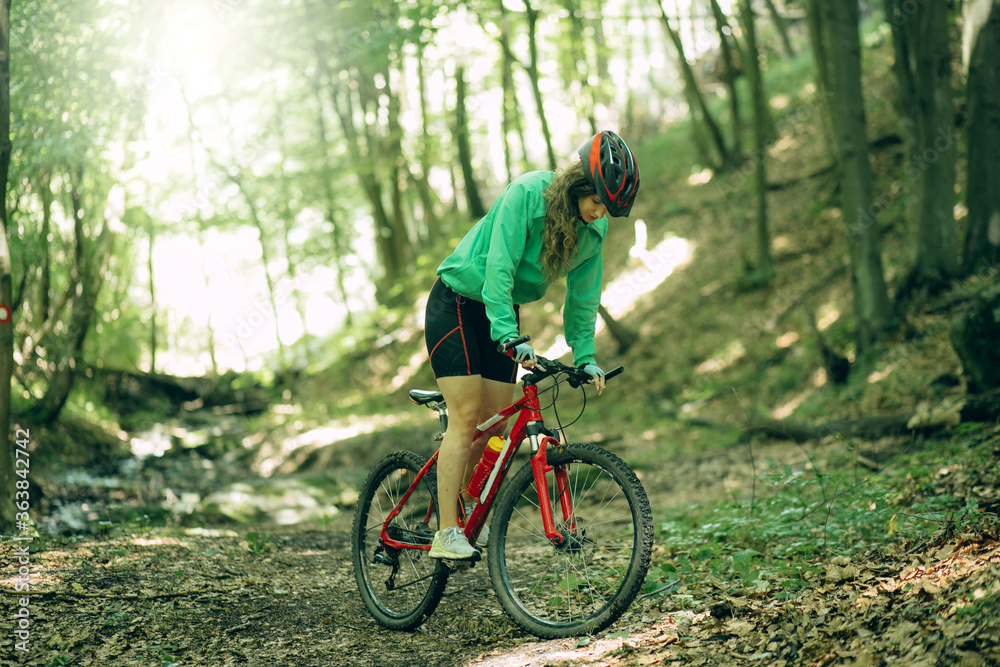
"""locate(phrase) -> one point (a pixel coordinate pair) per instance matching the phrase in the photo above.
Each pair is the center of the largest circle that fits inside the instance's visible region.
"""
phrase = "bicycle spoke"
(400, 586)
(577, 584)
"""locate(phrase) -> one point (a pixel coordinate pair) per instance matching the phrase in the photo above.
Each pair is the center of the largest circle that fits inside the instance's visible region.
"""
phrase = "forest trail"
(285, 595)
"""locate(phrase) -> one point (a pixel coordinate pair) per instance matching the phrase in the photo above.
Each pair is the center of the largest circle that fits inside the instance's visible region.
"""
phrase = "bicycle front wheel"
(585, 583)
(400, 587)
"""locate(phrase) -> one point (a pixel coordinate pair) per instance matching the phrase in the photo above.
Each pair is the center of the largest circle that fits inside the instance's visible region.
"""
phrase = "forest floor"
(208, 596)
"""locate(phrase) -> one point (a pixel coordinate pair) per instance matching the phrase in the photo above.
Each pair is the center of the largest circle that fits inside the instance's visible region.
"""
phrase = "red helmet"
(608, 160)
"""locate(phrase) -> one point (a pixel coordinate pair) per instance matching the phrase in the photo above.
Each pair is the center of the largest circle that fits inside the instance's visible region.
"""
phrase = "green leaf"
(570, 583)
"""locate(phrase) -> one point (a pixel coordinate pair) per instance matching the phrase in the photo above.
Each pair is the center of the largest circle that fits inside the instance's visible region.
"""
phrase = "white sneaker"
(451, 543)
(484, 534)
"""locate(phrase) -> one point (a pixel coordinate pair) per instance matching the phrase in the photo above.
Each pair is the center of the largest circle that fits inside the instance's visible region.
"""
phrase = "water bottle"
(482, 471)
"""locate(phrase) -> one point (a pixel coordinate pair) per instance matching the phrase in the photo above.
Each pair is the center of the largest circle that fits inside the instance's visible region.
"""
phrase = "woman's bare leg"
(495, 397)
(463, 394)
(471, 400)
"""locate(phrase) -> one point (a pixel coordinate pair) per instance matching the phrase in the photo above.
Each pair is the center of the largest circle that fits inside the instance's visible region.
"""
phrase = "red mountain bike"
(570, 540)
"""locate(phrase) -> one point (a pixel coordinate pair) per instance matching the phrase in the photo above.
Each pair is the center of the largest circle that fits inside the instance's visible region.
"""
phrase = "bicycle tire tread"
(389, 463)
(639, 564)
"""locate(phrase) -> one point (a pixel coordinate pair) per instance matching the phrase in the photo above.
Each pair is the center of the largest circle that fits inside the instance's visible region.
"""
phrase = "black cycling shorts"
(457, 332)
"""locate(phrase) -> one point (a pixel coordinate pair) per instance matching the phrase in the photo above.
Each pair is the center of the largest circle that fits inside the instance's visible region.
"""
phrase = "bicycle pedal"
(456, 566)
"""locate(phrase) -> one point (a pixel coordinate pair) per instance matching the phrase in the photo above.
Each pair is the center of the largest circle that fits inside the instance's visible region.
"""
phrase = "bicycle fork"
(540, 468)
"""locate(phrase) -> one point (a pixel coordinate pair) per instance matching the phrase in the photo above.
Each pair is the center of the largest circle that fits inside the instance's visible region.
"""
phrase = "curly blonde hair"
(562, 197)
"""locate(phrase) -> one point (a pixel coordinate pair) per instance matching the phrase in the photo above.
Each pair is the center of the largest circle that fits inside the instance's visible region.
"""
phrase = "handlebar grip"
(507, 346)
(613, 372)
(573, 382)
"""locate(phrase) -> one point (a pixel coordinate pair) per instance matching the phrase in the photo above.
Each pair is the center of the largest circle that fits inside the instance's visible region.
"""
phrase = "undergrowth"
(780, 539)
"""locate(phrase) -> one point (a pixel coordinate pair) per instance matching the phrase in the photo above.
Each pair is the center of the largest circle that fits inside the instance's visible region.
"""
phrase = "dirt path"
(203, 597)
(208, 600)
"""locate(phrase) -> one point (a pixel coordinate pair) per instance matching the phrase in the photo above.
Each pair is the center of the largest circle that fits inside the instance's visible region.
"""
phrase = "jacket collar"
(599, 227)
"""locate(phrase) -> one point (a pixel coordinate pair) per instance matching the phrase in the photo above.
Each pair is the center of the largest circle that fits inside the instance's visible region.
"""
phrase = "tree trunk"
(76, 212)
(287, 217)
(624, 336)
(152, 302)
(45, 270)
(699, 108)
(982, 240)
(391, 265)
(6, 289)
(726, 47)
(871, 297)
(395, 162)
(341, 244)
(130, 390)
(431, 221)
(536, 89)
(923, 68)
(764, 265)
(265, 259)
(453, 175)
(512, 120)
(781, 25)
(601, 48)
(975, 335)
(509, 102)
(81, 315)
(814, 23)
(578, 72)
(476, 208)
(931, 417)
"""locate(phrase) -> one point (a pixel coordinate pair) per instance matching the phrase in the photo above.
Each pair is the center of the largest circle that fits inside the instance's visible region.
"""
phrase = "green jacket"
(499, 263)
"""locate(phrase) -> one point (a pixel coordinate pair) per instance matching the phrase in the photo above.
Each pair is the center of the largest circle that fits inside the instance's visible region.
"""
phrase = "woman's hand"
(524, 354)
(597, 376)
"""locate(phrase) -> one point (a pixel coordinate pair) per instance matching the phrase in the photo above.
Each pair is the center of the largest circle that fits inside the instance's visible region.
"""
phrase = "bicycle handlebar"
(506, 347)
(548, 367)
(607, 376)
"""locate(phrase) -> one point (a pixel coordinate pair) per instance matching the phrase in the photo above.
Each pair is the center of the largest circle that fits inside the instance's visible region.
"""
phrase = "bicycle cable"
(555, 410)
(554, 388)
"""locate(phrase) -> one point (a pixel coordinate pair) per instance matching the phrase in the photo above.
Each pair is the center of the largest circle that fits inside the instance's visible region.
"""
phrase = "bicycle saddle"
(423, 397)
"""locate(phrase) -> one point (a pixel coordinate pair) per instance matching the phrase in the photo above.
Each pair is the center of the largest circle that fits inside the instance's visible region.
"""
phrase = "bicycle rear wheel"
(400, 587)
(586, 583)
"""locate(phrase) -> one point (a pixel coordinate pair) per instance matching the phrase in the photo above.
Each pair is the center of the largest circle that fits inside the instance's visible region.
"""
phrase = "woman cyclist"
(543, 226)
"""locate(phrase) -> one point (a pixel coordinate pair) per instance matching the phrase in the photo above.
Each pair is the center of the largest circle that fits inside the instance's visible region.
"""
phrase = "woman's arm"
(583, 296)
(507, 241)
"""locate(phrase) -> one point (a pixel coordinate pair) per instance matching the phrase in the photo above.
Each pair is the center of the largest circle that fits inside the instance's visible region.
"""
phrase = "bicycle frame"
(528, 425)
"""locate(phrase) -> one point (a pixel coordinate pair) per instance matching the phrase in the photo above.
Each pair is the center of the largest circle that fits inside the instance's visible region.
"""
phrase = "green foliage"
(259, 543)
(983, 604)
(62, 76)
(122, 320)
(161, 655)
(778, 542)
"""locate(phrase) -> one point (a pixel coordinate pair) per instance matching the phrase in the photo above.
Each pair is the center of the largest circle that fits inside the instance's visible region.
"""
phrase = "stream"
(209, 470)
